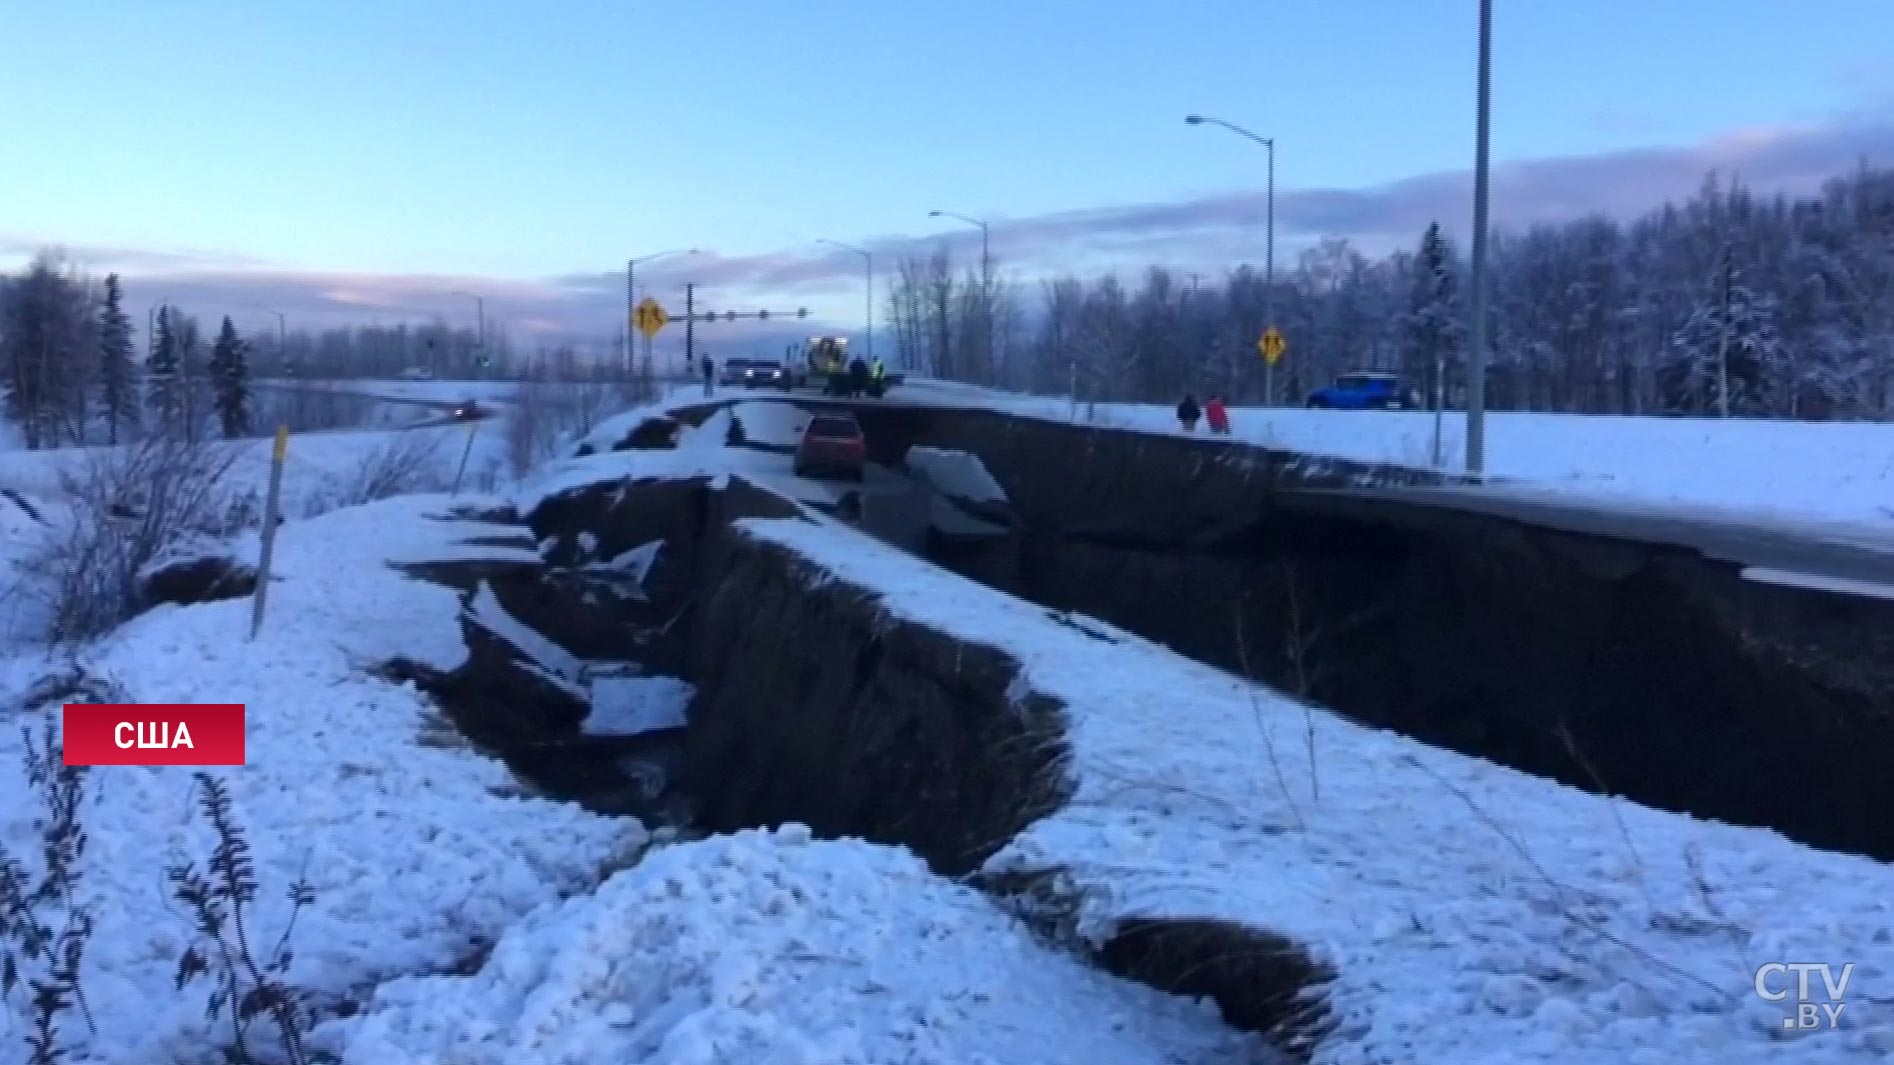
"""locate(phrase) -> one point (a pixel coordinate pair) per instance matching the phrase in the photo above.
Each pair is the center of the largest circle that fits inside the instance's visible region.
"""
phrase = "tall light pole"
(1269, 255)
(282, 330)
(986, 272)
(986, 244)
(480, 304)
(868, 267)
(1476, 359)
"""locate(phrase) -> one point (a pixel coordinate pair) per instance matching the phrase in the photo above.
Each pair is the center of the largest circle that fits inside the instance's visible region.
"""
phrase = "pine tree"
(163, 388)
(115, 363)
(1433, 319)
(229, 379)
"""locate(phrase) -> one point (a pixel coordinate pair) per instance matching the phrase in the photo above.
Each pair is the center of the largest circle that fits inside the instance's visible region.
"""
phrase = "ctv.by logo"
(1810, 1012)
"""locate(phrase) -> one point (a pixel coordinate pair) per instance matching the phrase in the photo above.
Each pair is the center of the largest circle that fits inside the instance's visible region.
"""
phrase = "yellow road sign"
(649, 317)
(1272, 345)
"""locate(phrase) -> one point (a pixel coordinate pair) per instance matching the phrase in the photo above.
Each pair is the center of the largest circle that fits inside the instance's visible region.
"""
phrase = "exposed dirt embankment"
(813, 704)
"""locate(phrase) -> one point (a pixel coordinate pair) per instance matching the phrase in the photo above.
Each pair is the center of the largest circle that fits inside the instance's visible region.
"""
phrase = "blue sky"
(361, 159)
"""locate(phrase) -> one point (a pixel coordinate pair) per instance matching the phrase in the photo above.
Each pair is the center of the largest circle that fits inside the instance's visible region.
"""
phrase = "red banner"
(154, 734)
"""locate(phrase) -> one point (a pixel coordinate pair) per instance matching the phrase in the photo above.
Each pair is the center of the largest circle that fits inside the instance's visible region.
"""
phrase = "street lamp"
(1476, 359)
(282, 330)
(986, 272)
(1269, 262)
(868, 267)
(986, 256)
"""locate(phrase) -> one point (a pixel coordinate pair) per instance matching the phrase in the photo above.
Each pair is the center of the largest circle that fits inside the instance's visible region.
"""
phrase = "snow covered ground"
(416, 852)
(769, 948)
(1474, 914)
(1839, 471)
(321, 471)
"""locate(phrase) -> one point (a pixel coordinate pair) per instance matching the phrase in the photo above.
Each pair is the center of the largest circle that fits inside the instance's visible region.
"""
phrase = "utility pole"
(631, 308)
(1476, 358)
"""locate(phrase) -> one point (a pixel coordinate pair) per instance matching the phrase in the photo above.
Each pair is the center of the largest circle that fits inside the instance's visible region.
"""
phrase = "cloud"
(129, 260)
(1207, 233)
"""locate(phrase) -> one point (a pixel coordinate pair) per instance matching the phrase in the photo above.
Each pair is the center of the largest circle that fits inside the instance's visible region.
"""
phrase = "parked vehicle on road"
(833, 444)
(1365, 390)
(754, 373)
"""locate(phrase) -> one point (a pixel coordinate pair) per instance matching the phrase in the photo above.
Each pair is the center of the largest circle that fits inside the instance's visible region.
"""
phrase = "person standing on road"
(857, 378)
(1217, 416)
(878, 376)
(710, 368)
(1188, 412)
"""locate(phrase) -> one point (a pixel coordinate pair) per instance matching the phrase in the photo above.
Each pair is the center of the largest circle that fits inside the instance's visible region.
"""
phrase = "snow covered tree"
(116, 385)
(230, 381)
(1730, 337)
(1434, 329)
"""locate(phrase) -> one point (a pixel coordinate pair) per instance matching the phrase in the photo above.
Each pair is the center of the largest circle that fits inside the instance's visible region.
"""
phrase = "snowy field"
(1475, 914)
(1821, 471)
(415, 848)
(321, 468)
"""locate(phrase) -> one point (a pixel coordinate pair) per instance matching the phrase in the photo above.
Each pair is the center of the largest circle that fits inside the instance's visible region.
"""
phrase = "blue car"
(1365, 391)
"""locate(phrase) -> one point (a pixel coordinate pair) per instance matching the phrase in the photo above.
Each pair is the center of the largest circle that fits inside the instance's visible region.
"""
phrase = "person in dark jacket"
(857, 377)
(1188, 412)
(710, 370)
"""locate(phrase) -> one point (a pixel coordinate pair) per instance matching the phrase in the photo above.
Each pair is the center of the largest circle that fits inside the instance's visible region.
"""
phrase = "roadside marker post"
(464, 454)
(270, 506)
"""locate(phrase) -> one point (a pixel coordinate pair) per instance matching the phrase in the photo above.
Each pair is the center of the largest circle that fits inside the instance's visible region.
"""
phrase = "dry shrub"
(132, 507)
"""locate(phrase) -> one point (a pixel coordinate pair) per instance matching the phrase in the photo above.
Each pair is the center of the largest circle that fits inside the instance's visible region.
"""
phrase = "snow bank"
(1474, 914)
(770, 949)
(413, 851)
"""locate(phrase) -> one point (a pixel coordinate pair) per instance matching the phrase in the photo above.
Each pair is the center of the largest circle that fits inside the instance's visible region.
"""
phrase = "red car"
(832, 443)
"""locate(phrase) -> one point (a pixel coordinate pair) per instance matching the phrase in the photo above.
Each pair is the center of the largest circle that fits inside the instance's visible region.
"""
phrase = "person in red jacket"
(1216, 415)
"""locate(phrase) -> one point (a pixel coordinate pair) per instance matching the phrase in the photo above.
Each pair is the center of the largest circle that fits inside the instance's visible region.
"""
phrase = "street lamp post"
(1476, 359)
(282, 330)
(868, 268)
(986, 245)
(986, 272)
(1269, 255)
(631, 296)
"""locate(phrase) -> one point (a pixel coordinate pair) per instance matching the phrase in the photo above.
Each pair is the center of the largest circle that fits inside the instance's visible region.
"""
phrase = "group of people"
(859, 378)
(1215, 414)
